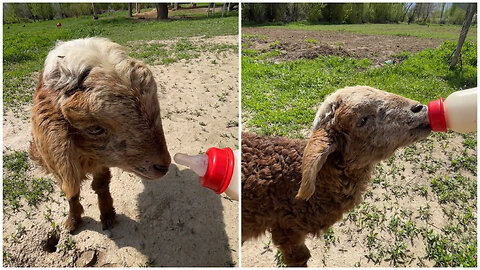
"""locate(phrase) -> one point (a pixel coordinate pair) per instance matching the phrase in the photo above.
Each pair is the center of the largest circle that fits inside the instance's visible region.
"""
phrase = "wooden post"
(95, 16)
(472, 8)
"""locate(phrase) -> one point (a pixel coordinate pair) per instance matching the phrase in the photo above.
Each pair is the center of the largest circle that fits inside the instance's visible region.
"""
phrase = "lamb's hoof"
(298, 258)
(72, 223)
(108, 220)
(304, 264)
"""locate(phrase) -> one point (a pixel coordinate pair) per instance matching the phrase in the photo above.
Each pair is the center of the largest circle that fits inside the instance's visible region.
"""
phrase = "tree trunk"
(406, 11)
(472, 8)
(162, 11)
(95, 16)
(441, 13)
(139, 7)
(416, 10)
(130, 7)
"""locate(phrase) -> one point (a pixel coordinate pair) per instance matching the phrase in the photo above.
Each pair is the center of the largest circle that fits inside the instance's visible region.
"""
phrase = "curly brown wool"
(294, 187)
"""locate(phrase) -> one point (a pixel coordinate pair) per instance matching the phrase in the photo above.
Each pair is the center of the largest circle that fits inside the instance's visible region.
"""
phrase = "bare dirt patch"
(170, 222)
(291, 51)
(377, 48)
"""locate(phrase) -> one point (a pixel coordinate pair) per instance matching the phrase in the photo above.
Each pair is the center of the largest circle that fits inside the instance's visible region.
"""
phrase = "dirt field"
(170, 222)
(377, 48)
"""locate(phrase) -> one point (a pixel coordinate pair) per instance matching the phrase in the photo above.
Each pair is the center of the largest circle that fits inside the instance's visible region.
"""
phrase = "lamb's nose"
(416, 108)
(160, 168)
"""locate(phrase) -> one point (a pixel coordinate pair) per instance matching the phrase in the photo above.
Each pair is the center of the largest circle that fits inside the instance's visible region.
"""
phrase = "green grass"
(447, 189)
(291, 90)
(25, 45)
(446, 253)
(444, 32)
(164, 54)
(19, 189)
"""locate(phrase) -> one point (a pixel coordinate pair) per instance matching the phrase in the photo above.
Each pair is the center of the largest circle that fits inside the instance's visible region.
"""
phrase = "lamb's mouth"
(423, 130)
(423, 126)
(138, 172)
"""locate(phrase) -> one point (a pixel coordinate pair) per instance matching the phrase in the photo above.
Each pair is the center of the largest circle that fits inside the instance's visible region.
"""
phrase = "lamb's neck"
(347, 181)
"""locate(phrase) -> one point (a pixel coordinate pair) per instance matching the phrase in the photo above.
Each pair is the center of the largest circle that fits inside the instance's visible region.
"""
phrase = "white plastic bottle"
(218, 169)
(458, 112)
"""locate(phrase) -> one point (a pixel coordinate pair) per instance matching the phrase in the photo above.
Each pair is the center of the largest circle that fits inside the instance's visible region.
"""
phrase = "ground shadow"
(180, 223)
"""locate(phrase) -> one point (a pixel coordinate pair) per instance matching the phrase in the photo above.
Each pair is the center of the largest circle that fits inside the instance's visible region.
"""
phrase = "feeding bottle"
(458, 112)
(218, 169)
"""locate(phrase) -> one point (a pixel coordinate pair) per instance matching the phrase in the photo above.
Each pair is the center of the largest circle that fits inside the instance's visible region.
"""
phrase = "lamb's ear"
(142, 78)
(319, 146)
(326, 111)
(76, 110)
(66, 78)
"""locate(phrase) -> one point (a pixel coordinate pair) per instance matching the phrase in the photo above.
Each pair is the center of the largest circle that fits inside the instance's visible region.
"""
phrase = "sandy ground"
(170, 222)
(349, 247)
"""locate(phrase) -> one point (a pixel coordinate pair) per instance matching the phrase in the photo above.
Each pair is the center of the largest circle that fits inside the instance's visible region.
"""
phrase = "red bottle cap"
(220, 169)
(436, 115)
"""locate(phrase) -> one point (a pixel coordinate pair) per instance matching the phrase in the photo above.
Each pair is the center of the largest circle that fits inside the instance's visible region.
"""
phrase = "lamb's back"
(270, 165)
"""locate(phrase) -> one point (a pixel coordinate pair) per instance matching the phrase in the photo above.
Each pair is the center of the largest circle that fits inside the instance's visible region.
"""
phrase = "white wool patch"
(326, 111)
(66, 63)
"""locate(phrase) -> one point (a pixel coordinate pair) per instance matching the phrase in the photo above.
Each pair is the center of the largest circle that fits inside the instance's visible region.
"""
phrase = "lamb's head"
(110, 101)
(362, 125)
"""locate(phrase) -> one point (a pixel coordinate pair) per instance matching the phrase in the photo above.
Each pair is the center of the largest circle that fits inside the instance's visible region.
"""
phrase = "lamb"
(294, 187)
(96, 108)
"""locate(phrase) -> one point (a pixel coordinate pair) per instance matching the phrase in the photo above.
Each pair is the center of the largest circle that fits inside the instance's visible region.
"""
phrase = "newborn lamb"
(294, 187)
(95, 108)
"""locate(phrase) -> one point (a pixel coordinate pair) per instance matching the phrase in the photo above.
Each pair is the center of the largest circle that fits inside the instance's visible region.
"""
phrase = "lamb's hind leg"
(292, 246)
(100, 184)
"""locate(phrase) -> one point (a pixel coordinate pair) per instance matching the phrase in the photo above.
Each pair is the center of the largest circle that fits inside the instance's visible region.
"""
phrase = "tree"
(95, 16)
(130, 7)
(162, 11)
(406, 11)
(41, 11)
(425, 11)
(441, 13)
(472, 8)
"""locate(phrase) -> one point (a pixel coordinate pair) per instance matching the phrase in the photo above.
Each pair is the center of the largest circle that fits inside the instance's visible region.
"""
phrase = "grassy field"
(19, 189)
(421, 208)
(25, 46)
(292, 89)
(445, 32)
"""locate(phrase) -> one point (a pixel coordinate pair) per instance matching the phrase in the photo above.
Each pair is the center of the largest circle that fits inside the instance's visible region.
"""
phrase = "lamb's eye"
(362, 122)
(95, 130)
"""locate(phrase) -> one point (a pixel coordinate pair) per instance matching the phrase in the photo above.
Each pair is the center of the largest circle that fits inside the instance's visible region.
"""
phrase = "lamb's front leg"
(100, 184)
(72, 192)
(292, 245)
